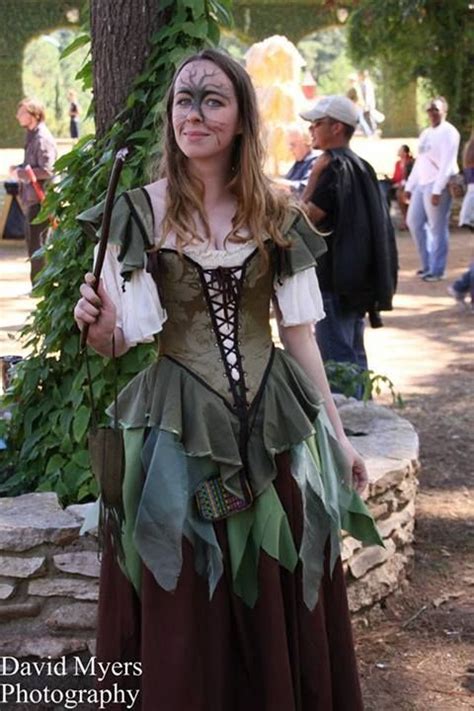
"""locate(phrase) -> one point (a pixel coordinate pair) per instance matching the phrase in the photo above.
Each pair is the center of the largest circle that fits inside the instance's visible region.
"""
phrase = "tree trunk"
(121, 31)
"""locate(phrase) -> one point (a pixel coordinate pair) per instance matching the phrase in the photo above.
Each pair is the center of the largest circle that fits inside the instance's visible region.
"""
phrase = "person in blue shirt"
(299, 143)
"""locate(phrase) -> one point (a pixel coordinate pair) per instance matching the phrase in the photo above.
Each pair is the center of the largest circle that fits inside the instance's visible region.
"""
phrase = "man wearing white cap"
(357, 275)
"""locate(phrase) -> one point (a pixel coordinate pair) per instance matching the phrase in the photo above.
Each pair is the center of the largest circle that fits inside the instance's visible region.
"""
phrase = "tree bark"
(121, 31)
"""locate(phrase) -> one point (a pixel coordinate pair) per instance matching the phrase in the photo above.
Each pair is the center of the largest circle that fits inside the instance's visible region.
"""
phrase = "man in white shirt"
(427, 191)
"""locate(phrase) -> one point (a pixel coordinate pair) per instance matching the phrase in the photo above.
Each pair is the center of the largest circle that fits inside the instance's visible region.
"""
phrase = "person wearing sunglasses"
(358, 273)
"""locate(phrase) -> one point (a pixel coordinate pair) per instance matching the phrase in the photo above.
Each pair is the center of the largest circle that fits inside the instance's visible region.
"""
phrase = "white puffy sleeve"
(140, 314)
(299, 298)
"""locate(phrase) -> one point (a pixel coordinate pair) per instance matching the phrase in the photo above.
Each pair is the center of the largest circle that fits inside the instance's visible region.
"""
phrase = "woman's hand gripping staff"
(96, 314)
(93, 280)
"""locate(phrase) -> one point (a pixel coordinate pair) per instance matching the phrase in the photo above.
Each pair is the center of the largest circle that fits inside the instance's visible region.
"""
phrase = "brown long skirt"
(220, 655)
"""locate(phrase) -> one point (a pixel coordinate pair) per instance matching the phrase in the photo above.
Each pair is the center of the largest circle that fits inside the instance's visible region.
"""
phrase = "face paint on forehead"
(197, 88)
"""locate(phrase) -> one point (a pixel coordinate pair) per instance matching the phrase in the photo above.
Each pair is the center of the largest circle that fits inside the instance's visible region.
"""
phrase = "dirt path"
(417, 652)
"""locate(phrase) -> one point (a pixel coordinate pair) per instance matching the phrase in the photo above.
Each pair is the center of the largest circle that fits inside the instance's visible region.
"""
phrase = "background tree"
(50, 408)
(421, 38)
(121, 34)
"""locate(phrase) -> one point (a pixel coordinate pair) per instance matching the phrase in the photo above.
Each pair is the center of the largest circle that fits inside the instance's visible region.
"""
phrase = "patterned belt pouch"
(215, 502)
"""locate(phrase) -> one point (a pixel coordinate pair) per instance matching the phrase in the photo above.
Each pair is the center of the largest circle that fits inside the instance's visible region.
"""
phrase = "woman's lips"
(195, 134)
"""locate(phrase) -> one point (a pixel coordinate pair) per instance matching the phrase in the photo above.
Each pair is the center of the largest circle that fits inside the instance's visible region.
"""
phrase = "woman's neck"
(214, 177)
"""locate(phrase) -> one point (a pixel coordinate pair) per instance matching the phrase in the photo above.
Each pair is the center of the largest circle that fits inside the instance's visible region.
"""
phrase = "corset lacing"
(223, 289)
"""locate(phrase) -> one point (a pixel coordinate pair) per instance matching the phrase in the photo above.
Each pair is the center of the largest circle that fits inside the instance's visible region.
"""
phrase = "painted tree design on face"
(192, 93)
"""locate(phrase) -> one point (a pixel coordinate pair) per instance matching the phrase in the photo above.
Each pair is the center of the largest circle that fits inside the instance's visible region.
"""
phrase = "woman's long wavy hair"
(260, 209)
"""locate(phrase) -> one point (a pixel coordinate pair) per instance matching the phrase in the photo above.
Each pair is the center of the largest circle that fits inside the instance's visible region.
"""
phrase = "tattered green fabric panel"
(306, 245)
(161, 395)
(131, 227)
(358, 521)
(263, 527)
(356, 518)
(324, 476)
(131, 491)
(167, 512)
(160, 512)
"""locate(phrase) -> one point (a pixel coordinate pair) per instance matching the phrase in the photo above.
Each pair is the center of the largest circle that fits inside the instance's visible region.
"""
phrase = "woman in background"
(74, 112)
(399, 178)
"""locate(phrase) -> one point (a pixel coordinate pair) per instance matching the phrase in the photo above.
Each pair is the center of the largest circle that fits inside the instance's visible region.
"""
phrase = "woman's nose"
(195, 113)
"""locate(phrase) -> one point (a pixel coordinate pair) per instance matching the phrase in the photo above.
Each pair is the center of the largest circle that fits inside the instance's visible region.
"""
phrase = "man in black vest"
(358, 273)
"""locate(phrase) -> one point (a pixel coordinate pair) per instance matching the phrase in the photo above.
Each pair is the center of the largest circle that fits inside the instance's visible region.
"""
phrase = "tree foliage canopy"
(433, 39)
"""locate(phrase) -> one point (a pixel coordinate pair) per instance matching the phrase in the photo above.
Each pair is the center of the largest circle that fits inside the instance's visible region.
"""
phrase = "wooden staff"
(104, 236)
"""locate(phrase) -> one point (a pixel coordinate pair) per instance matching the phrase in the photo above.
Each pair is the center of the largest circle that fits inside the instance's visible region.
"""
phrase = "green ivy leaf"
(81, 458)
(79, 41)
(80, 423)
(54, 464)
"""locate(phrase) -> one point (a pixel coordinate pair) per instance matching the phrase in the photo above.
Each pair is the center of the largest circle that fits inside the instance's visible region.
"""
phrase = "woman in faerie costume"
(238, 475)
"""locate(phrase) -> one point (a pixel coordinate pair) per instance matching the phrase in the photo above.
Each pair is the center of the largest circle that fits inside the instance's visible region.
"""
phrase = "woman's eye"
(183, 101)
(213, 102)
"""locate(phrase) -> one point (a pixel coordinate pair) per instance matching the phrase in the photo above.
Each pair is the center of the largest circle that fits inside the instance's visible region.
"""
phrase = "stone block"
(379, 583)
(369, 558)
(6, 591)
(397, 520)
(389, 475)
(404, 535)
(32, 519)
(77, 616)
(80, 511)
(65, 587)
(42, 647)
(388, 443)
(348, 547)
(15, 567)
(15, 611)
(406, 490)
(378, 510)
(372, 419)
(80, 562)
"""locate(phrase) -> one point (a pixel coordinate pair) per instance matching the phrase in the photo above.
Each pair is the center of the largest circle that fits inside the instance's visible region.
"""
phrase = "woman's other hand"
(359, 471)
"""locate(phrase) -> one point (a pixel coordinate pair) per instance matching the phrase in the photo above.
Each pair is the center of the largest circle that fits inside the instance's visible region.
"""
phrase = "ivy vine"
(46, 436)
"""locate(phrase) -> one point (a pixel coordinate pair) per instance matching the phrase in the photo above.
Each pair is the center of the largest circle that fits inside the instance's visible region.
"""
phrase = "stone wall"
(48, 578)
(49, 574)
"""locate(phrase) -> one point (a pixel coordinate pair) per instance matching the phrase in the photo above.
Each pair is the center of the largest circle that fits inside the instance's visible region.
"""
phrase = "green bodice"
(218, 324)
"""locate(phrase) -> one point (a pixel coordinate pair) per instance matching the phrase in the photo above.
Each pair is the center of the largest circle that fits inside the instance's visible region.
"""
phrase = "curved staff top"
(104, 237)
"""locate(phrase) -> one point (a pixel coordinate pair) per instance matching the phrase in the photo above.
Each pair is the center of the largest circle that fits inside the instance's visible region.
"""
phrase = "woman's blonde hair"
(34, 107)
(260, 209)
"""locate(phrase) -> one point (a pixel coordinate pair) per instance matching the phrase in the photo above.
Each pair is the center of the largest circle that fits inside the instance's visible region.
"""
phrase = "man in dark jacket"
(32, 174)
(358, 273)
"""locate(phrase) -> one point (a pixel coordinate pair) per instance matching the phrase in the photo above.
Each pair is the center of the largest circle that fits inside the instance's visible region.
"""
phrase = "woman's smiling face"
(205, 114)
